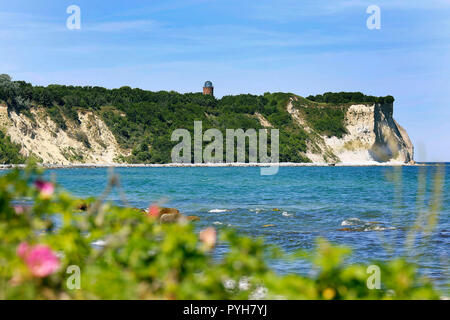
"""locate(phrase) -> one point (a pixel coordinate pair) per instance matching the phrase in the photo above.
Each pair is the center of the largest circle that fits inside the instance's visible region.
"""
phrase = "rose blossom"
(40, 259)
(18, 209)
(22, 250)
(153, 211)
(45, 188)
(208, 237)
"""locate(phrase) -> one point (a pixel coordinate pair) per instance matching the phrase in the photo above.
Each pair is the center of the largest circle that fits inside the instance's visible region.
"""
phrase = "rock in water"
(169, 218)
(173, 211)
(172, 215)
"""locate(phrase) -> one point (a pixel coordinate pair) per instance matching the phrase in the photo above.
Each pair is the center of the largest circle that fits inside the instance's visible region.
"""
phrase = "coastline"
(209, 165)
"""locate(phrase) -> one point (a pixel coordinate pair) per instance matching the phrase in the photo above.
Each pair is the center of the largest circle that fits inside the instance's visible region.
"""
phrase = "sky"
(304, 47)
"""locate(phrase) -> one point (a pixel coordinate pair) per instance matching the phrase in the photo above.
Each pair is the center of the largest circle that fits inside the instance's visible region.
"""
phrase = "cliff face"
(373, 136)
(90, 141)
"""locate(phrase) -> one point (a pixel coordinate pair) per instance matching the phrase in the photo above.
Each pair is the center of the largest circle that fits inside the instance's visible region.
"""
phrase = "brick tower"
(208, 88)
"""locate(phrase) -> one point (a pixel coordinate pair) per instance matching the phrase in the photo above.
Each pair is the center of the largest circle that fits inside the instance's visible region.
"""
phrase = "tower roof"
(208, 84)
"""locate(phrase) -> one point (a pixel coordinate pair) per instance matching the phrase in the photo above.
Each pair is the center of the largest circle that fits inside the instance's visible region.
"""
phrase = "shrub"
(55, 114)
(83, 138)
(326, 120)
(9, 151)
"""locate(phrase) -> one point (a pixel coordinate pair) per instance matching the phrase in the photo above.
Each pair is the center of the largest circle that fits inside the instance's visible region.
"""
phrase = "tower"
(208, 88)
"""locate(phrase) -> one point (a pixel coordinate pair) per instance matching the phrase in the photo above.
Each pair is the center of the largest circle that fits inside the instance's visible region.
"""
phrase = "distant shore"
(186, 165)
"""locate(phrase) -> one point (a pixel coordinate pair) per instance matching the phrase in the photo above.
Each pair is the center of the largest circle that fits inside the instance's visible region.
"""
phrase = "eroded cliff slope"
(372, 136)
(88, 141)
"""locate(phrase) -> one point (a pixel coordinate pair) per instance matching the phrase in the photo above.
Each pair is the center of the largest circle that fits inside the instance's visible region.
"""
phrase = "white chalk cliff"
(373, 136)
(90, 141)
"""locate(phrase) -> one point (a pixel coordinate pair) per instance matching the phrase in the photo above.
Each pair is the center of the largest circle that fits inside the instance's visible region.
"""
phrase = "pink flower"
(18, 209)
(45, 188)
(40, 259)
(153, 211)
(208, 237)
(22, 250)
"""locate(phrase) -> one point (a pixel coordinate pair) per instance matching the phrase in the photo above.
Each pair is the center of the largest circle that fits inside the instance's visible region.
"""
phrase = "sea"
(371, 210)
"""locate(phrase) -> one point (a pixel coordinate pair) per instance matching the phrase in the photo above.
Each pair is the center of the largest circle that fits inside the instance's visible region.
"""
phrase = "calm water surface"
(369, 209)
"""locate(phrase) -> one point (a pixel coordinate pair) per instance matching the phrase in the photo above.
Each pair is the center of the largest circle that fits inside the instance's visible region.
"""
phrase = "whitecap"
(217, 210)
(285, 214)
(217, 223)
(378, 228)
(351, 222)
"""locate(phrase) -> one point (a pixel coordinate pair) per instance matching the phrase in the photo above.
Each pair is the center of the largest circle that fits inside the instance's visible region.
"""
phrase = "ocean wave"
(217, 210)
(351, 222)
(356, 224)
(378, 228)
(285, 214)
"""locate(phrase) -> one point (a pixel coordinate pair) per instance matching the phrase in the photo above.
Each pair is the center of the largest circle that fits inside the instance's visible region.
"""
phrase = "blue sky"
(304, 47)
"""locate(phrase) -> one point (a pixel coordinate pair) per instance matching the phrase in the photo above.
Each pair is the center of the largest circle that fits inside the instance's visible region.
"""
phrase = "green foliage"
(9, 151)
(71, 113)
(83, 138)
(141, 154)
(72, 155)
(349, 97)
(55, 114)
(326, 120)
(144, 259)
(8, 89)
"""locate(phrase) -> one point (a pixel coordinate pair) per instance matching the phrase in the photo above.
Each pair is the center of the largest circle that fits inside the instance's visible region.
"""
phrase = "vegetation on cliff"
(142, 121)
(349, 97)
(329, 121)
(9, 151)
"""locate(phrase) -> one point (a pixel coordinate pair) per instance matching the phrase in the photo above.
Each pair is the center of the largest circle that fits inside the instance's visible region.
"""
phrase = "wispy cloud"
(20, 25)
(291, 10)
(121, 26)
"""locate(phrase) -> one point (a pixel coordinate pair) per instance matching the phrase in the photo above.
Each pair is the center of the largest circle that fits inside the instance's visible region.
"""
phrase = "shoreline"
(211, 165)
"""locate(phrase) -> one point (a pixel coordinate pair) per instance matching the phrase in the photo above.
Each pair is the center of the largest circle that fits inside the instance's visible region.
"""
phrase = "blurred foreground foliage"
(141, 258)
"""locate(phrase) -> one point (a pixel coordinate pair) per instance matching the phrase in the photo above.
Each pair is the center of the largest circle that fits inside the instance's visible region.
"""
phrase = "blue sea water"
(369, 209)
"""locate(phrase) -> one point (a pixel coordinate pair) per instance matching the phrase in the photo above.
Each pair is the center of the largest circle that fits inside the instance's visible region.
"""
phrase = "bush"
(9, 151)
(83, 138)
(55, 114)
(43, 232)
(326, 120)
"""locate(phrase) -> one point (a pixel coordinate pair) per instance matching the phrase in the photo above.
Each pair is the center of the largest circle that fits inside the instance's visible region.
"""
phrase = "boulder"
(171, 215)
(173, 211)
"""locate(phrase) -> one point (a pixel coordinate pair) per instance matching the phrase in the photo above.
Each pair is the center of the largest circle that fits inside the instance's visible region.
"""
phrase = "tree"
(8, 88)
